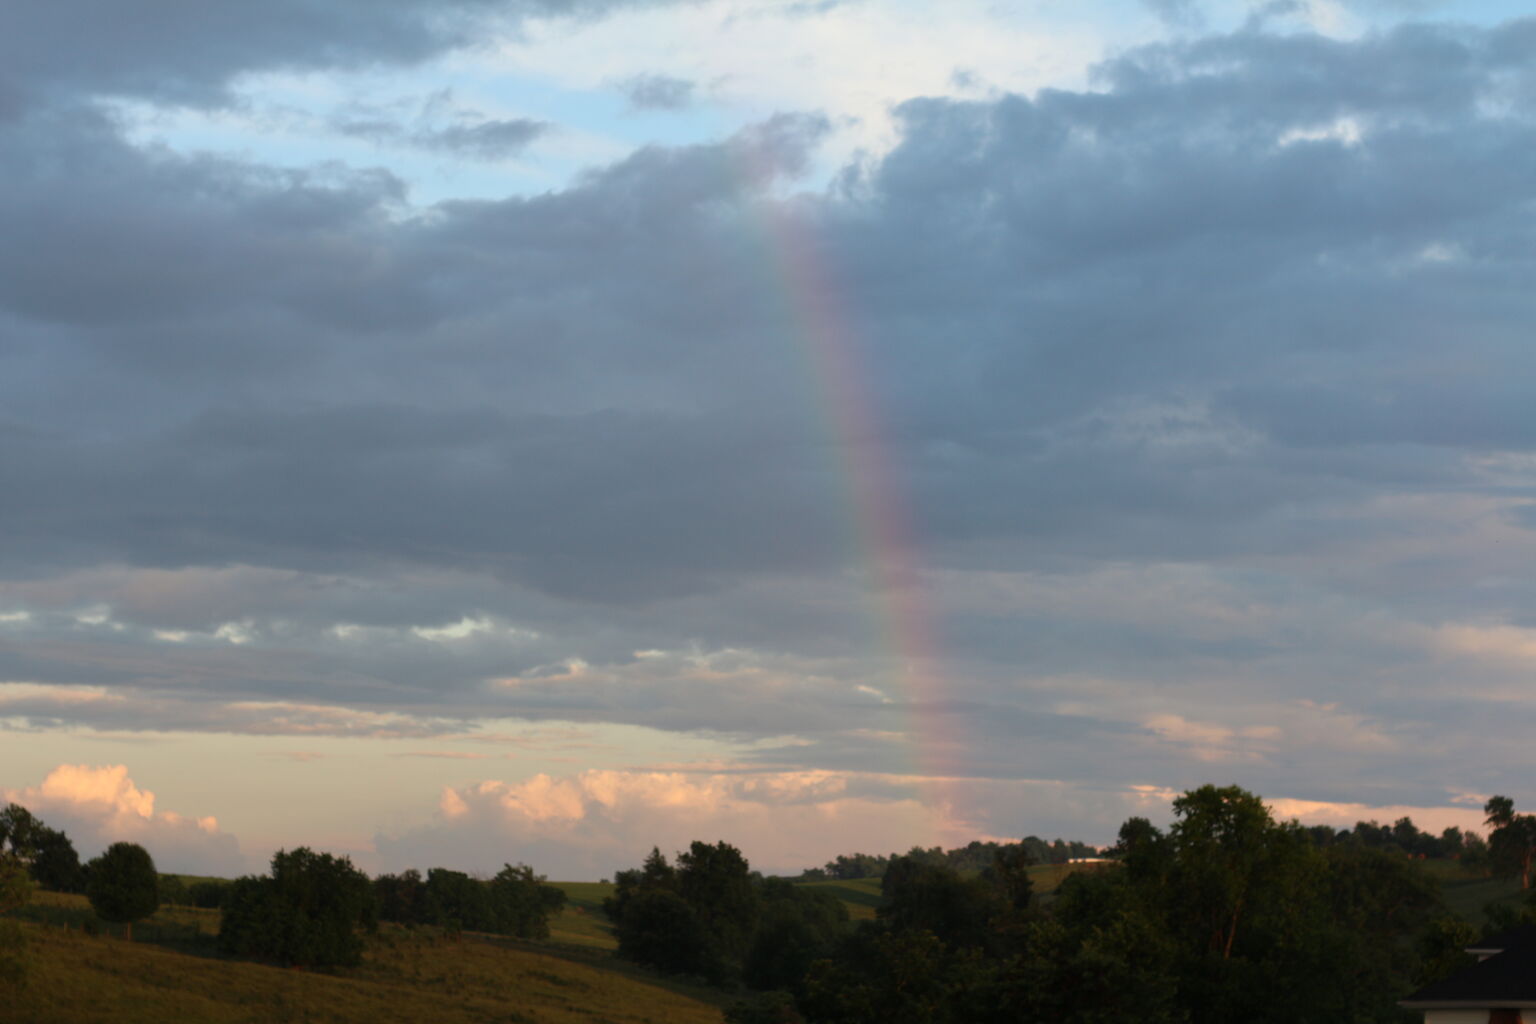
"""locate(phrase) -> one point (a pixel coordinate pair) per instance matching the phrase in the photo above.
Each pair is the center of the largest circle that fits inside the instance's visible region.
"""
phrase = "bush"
(305, 913)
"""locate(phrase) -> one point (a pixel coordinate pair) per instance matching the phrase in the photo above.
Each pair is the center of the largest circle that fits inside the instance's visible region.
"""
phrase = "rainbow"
(881, 518)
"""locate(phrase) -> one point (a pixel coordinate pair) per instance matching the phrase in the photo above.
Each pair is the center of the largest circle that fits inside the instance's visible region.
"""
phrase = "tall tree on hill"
(122, 885)
(1513, 839)
(45, 852)
(717, 882)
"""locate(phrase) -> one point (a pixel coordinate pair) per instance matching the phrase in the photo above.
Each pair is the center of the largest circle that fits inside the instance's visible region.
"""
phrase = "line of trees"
(1226, 915)
(313, 909)
(974, 856)
(515, 902)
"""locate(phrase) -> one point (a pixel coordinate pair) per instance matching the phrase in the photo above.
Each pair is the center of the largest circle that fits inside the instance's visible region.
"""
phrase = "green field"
(581, 921)
(172, 973)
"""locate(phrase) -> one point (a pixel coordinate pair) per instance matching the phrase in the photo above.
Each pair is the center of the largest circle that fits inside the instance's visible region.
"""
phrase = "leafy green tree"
(173, 891)
(653, 873)
(859, 865)
(402, 898)
(17, 830)
(47, 853)
(1106, 955)
(922, 895)
(1222, 839)
(122, 885)
(1512, 842)
(796, 927)
(208, 895)
(1009, 875)
(55, 864)
(697, 917)
(717, 883)
(15, 891)
(766, 1008)
(522, 903)
(660, 929)
(307, 912)
(903, 977)
(458, 902)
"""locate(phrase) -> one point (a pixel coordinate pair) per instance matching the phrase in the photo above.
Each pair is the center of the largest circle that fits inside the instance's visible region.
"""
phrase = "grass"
(1467, 897)
(860, 895)
(171, 971)
(581, 921)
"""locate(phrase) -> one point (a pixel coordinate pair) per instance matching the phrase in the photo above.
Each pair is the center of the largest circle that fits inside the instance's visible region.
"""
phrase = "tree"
(660, 929)
(695, 918)
(903, 977)
(716, 881)
(122, 885)
(1513, 839)
(15, 891)
(208, 895)
(1221, 840)
(522, 903)
(921, 895)
(402, 898)
(307, 912)
(1009, 875)
(796, 927)
(457, 902)
(45, 852)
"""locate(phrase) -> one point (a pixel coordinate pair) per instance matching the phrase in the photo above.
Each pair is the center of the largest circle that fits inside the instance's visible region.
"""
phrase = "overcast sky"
(466, 431)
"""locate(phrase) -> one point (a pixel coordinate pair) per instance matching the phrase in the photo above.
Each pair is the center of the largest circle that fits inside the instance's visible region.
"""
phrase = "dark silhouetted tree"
(122, 885)
(522, 903)
(307, 912)
(15, 891)
(1512, 843)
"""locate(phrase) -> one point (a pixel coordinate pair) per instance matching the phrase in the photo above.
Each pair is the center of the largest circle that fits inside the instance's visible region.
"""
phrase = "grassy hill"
(581, 921)
(170, 973)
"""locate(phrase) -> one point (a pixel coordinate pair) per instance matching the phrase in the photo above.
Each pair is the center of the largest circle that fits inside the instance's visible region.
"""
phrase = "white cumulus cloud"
(97, 806)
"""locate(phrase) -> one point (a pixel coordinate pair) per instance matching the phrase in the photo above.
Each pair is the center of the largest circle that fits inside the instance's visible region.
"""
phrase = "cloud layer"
(1201, 393)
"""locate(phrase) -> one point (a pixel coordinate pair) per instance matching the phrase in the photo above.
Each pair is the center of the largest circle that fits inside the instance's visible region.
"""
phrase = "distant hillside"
(406, 977)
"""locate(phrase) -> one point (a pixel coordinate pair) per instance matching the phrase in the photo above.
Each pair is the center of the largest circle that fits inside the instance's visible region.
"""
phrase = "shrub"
(307, 912)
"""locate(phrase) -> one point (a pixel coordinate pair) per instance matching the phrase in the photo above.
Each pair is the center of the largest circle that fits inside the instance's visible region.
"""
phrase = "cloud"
(1345, 815)
(1177, 13)
(1200, 388)
(439, 123)
(170, 52)
(97, 806)
(658, 92)
(600, 821)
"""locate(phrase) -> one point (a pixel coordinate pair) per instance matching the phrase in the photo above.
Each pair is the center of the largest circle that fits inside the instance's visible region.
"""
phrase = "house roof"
(1518, 937)
(1508, 979)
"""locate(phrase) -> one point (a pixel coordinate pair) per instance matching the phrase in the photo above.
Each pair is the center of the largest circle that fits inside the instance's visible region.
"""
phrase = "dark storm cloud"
(1259, 308)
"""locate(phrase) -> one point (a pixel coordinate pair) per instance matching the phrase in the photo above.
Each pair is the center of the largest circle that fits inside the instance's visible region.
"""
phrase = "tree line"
(974, 856)
(311, 909)
(1226, 915)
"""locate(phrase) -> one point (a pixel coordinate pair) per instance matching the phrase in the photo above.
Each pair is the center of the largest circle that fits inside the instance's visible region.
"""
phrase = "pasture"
(172, 972)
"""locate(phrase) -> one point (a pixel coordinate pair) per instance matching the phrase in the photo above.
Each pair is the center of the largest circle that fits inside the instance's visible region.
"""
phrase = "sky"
(476, 431)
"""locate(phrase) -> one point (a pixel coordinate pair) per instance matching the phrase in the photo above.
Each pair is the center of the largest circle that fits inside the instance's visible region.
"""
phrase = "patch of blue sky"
(298, 122)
